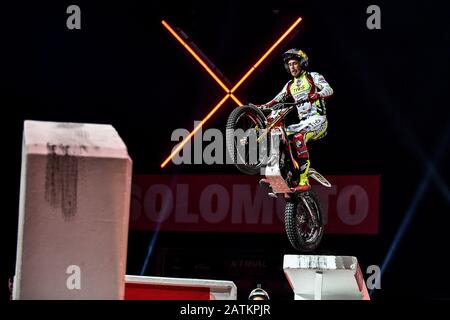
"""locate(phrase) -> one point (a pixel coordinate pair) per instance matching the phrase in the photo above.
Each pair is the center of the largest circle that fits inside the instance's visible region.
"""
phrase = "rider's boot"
(303, 184)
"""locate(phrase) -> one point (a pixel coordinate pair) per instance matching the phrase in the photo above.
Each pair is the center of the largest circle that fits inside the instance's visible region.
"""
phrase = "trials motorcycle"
(258, 144)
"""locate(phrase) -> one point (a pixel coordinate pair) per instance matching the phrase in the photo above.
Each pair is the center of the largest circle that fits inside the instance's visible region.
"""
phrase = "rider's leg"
(313, 128)
(300, 139)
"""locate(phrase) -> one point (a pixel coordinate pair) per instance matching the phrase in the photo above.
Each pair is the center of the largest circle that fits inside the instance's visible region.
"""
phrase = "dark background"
(388, 116)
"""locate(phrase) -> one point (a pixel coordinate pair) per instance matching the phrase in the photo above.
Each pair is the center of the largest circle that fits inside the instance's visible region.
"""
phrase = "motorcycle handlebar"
(285, 105)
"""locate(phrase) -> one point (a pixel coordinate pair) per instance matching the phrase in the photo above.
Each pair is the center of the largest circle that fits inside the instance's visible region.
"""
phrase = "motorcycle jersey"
(299, 88)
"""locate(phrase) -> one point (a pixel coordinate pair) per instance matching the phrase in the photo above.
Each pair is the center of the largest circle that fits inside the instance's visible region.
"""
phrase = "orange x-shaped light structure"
(229, 93)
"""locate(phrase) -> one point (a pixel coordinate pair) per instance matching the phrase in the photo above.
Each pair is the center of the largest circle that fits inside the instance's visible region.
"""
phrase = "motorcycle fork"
(311, 214)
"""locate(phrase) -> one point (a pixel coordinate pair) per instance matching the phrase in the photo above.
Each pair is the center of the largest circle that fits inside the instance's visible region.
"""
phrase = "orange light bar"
(213, 75)
(185, 140)
(192, 52)
(236, 100)
(266, 54)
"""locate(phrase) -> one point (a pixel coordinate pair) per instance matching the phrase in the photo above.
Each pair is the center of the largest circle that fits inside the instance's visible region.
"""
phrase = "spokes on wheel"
(305, 228)
(303, 221)
(245, 124)
(246, 147)
(307, 219)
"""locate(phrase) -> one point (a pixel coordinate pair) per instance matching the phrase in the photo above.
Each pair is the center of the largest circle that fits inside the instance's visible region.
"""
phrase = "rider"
(313, 121)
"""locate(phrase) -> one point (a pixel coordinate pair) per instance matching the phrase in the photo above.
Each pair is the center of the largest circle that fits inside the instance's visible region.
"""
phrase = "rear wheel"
(245, 124)
(303, 221)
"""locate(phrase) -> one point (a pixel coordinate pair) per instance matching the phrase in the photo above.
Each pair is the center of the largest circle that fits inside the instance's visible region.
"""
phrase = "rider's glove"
(313, 97)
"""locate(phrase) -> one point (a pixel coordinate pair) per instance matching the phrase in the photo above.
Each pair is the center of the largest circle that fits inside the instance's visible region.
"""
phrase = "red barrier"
(160, 292)
(164, 288)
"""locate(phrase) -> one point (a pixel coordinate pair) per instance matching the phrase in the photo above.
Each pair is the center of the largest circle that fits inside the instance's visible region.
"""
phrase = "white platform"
(73, 212)
(314, 277)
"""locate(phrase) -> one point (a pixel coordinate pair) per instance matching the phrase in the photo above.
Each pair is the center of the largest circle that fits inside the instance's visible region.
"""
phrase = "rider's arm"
(324, 89)
(280, 97)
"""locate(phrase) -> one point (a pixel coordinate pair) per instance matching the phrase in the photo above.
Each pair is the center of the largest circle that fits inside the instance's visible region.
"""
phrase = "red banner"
(236, 203)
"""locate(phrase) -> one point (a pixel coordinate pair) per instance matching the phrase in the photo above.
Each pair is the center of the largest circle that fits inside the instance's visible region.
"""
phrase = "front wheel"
(303, 221)
(245, 124)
